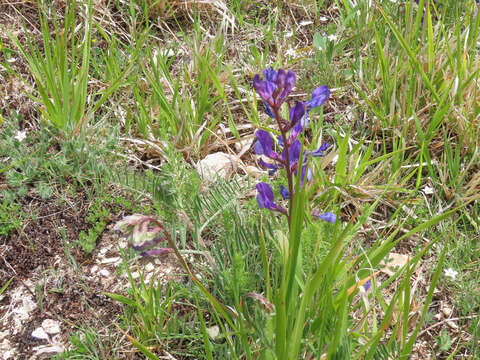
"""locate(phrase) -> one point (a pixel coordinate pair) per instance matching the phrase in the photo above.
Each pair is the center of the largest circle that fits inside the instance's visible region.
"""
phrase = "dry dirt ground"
(53, 283)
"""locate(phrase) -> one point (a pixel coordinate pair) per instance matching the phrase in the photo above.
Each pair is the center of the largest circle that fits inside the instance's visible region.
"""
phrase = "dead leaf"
(392, 263)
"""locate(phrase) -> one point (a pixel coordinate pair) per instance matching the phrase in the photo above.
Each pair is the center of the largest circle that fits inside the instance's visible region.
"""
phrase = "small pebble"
(50, 349)
(447, 311)
(104, 273)
(452, 325)
(110, 260)
(94, 269)
(39, 333)
(149, 267)
(51, 326)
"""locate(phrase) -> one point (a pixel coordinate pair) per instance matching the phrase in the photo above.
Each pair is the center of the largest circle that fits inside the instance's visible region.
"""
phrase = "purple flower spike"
(319, 96)
(281, 79)
(294, 152)
(265, 196)
(284, 192)
(266, 143)
(320, 151)
(296, 113)
(276, 86)
(264, 88)
(270, 75)
(328, 216)
(290, 79)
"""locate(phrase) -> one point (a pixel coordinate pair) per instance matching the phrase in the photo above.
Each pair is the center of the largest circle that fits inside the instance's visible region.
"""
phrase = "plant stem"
(278, 117)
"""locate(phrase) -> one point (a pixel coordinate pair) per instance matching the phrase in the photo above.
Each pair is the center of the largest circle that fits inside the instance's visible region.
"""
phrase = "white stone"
(51, 326)
(149, 267)
(111, 260)
(103, 251)
(9, 354)
(452, 325)
(39, 333)
(447, 311)
(135, 275)
(22, 305)
(217, 164)
(94, 269)
(306, 22)
(48, 349)
(104, 273)
(7, 350)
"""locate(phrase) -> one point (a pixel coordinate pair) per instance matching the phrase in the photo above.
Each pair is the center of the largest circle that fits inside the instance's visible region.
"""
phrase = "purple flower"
(297, 129)
(296, 113)
(272, 168)
(328, 216)
(258, 148)
(276, 86)
(264, 145)
(146, 244)
(319, 96)
(270, 75)
(284, 192)
(264, 88)
(268, 110)
(265, 198)
(320, 151)
(293, 153)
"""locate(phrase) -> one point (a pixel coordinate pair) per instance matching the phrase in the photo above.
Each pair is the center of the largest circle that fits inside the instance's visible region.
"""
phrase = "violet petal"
(296, 113)
(265, 196)
(328, 216)
(284, 192)
(319, 96)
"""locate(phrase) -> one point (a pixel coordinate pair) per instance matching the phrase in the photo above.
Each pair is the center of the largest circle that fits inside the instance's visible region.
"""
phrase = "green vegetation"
(121, 100)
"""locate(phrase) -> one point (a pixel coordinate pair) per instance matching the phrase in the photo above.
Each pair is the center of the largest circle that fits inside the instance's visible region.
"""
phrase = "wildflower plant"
(314, 301)
(274, 90)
